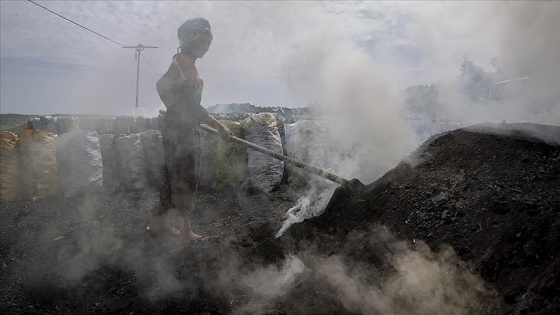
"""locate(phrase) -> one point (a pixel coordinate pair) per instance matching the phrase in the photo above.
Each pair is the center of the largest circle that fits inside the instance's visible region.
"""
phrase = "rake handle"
(315, 170)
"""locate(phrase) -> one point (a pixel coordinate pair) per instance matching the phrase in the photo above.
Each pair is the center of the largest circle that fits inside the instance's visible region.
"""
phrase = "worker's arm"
(224, 131)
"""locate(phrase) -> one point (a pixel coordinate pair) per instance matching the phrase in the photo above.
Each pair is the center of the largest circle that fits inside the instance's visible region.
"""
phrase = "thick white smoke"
(522, 39)
(413, 279)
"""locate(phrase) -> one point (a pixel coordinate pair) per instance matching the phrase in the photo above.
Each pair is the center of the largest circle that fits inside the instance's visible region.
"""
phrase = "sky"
(49, 65)
(265, 53)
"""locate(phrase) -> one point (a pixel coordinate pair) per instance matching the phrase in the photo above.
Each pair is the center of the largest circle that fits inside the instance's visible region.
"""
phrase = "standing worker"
(180, 89)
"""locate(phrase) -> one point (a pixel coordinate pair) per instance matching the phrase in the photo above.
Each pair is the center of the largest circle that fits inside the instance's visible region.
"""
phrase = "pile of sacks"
(38, 163)
(29, 169)
(100, 124)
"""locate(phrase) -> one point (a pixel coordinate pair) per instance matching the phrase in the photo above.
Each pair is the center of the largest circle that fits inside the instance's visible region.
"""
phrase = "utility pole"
(138, 49)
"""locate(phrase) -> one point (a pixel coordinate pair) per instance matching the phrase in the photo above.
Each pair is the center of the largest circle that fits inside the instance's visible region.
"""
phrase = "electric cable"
(149, 64)
(107, 38)
(67, 19)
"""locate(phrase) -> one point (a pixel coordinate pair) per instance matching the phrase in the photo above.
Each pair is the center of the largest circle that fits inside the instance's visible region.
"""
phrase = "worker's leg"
(185, 181)
(169, 137)
(184, 194)
(158, 220)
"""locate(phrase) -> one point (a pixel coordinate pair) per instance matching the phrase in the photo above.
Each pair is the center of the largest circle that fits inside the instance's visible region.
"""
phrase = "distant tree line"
(472, 82)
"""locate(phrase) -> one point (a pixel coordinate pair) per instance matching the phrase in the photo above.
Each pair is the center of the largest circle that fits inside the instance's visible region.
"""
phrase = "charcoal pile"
(490, 192)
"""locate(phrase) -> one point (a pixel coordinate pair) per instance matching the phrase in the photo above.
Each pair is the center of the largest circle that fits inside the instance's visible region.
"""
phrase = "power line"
(94, 32)
(138, 48)
(150, 64)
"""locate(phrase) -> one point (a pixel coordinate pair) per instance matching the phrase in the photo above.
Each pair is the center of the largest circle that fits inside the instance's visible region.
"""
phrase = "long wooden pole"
(315, 170)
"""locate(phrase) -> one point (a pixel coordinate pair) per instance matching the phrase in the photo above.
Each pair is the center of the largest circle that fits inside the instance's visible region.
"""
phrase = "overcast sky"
(49, 65)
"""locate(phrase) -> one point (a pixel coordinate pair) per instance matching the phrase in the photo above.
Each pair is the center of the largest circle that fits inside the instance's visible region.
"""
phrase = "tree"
(474, 82)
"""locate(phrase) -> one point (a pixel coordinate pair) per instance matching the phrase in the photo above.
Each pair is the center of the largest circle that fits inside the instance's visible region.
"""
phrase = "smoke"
(403, 278)
(530, 45)
(360, 106)
(421, 281)
(96, 244)
(312, 203)
(266, 284)
(520, 38)
(361, 110)
(357, 75)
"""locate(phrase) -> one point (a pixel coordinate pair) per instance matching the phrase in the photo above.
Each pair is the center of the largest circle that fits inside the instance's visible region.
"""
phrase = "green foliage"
(13, 122)
(422, 99)
(473, 82)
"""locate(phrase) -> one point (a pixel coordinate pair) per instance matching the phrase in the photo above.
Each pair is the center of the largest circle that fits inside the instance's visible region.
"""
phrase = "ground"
(467, 224)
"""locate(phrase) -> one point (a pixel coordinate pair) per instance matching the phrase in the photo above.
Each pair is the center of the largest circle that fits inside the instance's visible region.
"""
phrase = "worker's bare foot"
(191, 237)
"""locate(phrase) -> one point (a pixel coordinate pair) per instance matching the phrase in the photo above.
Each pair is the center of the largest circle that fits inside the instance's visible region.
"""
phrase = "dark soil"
(478, 212)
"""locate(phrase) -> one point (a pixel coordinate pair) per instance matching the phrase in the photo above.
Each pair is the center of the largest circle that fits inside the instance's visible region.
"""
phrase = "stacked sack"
(152, 144)
(82, 159)
(306, 141)
(39, 169)
(80, 163)
(265, 172)
(111, 178)
(141, 124)
(122, 125)
(10, 180)
(67, 124)
(102, 125)
(46, 123)
(229, 160)
(132, 162)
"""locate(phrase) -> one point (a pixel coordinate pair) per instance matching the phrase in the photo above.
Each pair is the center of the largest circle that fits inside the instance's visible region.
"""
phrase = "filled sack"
(10, 179)
(229, 159)
(111, 178)
(306, 141)
(39, 168)
(265, 172)
(152, 144)
(132, 162)
(80, 162)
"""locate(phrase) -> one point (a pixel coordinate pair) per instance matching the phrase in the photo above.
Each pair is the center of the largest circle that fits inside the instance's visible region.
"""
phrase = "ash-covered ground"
(467, 224)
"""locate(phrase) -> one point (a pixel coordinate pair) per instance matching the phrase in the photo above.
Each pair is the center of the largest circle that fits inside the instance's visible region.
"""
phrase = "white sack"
(111, 178)
(67, 124)
(306, 141)
(46, 123)
(153, 151)
(132, 162)
(265, 172)
(143, 124)
(104, 125)
(80, 163)
(121, 125)
(154, 122)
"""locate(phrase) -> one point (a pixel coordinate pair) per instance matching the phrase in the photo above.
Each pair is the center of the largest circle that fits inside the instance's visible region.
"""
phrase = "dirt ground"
(468, 224)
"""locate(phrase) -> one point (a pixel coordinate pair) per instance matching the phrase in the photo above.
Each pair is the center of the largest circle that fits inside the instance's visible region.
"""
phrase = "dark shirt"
(180, 89)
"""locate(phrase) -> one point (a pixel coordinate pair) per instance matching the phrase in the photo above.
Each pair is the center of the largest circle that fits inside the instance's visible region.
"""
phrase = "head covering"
(191, 29)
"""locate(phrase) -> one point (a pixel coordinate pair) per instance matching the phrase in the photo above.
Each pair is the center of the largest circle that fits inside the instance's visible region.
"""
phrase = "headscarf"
(191, 29)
